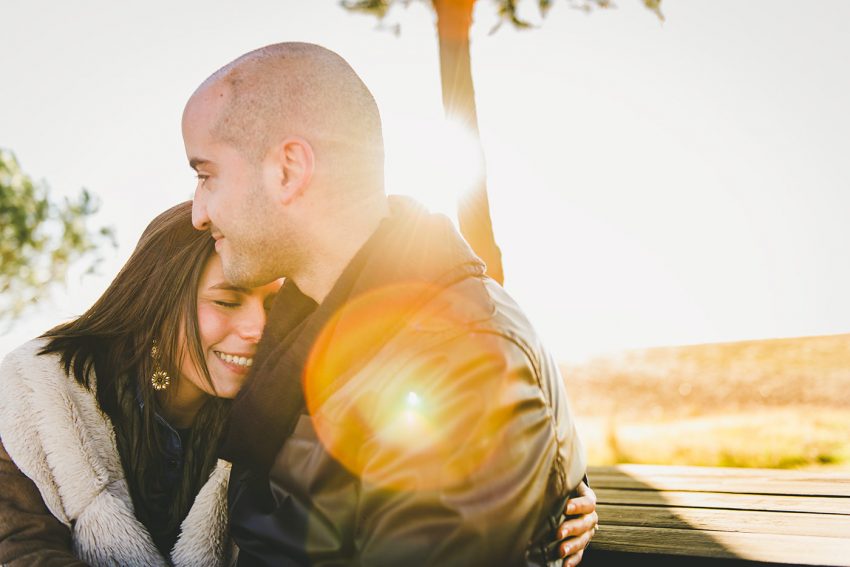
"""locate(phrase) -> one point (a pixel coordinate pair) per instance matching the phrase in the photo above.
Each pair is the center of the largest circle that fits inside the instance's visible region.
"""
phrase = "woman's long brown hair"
(108, 350)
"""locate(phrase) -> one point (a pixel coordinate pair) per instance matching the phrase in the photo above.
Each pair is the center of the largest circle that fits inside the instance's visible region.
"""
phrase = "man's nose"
(200, 220)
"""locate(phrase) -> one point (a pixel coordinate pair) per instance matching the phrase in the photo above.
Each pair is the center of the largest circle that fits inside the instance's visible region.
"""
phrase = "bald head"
(299, 89)
(287, 145)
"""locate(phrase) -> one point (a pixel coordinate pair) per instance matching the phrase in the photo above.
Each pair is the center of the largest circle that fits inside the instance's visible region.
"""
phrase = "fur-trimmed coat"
(56, 434)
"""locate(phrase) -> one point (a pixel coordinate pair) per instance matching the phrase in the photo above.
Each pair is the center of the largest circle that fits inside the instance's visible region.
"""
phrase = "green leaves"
(39, 238)
(506, 9)
(378, 8)
(655, 6)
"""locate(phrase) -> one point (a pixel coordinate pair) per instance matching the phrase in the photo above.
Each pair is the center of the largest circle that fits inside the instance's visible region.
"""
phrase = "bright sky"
(651, 183)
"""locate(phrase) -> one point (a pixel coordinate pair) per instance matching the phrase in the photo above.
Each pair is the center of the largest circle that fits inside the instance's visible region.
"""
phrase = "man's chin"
(241, 274)
(236, 275)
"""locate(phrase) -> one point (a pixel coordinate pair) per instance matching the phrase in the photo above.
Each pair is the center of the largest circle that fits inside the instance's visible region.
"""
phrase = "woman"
(148, 361)
(112, 421)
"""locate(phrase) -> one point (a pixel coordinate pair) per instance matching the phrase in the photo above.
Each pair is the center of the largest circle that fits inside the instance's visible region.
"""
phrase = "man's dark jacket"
(413, 418)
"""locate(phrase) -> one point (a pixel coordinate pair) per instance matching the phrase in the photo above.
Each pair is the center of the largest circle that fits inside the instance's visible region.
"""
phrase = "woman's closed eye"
(227, 304)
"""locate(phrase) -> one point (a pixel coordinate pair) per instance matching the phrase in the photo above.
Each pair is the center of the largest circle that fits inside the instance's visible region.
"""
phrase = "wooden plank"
(760, 502)
(712, 479)
(778, 523)
(676, 470)
(801, 550)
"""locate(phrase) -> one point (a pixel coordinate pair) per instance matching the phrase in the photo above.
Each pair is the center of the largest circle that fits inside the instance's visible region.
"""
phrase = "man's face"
(231, 198)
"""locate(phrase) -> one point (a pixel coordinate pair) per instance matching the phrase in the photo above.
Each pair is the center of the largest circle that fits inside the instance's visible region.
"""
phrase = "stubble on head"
(305, 90)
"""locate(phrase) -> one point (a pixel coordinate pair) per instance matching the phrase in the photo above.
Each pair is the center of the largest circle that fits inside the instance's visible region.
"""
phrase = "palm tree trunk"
(454, 20)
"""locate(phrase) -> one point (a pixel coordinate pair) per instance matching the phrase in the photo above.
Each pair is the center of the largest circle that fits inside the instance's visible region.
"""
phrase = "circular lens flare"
(392, 404)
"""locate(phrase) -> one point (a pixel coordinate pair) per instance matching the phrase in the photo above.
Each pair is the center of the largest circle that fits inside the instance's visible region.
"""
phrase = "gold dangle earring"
(160, 378)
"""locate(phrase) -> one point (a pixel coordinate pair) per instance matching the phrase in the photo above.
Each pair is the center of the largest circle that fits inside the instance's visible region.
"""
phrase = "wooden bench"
(719, 516)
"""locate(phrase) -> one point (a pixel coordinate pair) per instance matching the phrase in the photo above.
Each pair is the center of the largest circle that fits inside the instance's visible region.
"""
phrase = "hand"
(580, 525)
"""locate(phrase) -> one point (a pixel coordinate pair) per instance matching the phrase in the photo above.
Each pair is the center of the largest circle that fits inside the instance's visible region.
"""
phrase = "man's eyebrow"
(195, 162)
(228, 287)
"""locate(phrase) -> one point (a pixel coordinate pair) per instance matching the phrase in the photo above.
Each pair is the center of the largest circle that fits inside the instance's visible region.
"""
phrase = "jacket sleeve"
(463, 466)
(29, 534)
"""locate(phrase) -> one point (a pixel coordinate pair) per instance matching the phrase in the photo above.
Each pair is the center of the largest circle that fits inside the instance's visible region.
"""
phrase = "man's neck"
(334, 250)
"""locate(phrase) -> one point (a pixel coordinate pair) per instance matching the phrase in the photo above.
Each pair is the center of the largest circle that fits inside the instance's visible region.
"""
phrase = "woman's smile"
(239, 363)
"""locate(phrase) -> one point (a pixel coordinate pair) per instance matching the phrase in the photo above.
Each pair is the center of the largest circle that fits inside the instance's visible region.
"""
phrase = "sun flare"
(439, 162)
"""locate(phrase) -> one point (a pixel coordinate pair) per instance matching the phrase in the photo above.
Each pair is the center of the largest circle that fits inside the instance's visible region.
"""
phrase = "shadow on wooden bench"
(696, 516)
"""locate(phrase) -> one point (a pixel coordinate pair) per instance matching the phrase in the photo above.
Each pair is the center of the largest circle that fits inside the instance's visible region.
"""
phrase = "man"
(401, 410)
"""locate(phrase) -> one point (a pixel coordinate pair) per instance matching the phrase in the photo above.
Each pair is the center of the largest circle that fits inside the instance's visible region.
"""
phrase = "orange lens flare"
(402, 417)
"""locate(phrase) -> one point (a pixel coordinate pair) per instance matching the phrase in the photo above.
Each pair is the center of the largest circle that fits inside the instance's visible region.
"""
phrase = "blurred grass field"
(782, 403)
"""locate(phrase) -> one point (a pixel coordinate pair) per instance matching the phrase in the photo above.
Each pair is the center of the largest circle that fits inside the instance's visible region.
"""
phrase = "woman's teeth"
(239, 360)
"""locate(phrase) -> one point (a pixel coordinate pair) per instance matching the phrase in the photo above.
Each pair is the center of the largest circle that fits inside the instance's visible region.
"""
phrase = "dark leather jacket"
(441, 438)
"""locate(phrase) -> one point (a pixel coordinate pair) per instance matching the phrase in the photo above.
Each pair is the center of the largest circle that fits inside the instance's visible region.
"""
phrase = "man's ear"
(297, 163)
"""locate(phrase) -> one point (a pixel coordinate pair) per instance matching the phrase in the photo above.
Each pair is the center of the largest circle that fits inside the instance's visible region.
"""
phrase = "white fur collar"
(55, 432)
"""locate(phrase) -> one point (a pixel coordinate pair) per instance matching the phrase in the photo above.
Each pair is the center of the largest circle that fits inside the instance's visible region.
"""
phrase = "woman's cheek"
(212, 325)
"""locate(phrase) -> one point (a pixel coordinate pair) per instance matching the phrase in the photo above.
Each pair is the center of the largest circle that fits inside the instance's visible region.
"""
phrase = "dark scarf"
(409, 246)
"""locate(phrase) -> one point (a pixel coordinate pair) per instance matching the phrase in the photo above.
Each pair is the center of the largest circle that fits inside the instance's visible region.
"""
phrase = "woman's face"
(231, 321)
